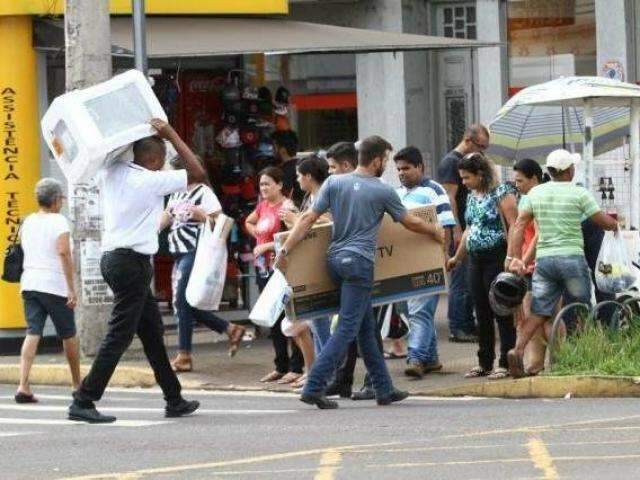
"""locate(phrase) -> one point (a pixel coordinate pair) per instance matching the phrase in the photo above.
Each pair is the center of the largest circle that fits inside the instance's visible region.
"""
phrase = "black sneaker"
(365, 393)
(185, 407)
(396, 396)
(320, 401)
(344, 391)
(463, 338)
(88, 415)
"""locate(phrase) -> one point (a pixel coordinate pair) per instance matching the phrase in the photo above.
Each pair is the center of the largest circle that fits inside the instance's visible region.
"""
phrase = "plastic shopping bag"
(271, 301)
(614, 272)
(206, 283)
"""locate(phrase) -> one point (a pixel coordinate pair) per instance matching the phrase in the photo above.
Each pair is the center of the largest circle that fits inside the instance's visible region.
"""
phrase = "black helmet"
(506, 293)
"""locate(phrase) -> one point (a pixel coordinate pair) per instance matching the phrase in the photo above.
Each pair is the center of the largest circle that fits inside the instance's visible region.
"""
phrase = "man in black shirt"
(286, 145)
(461, 322)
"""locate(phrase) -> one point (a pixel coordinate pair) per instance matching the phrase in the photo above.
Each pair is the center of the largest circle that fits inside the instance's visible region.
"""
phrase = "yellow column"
(19, 146)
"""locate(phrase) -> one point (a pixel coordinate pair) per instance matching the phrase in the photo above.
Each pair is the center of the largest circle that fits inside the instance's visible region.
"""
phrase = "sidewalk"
(213, 369)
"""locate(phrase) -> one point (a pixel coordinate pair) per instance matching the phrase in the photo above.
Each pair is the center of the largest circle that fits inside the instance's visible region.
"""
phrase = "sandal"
(516, 364)
(499, 373)
(290, 377)
(394, 356)
(272, 377)
(235, 337)
(25, 398)
(477, 372)
(182, 364)
(300, 382)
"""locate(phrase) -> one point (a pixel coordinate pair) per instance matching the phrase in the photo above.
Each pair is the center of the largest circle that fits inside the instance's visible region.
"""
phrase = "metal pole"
(587, 151)
(139, 35)
(87, 62)
(635, 163)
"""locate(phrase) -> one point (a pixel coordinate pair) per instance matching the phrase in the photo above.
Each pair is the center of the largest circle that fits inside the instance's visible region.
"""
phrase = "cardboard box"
(407, 265)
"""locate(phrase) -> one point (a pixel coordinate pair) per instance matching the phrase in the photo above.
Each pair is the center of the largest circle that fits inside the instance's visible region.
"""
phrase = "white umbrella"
(592, 113)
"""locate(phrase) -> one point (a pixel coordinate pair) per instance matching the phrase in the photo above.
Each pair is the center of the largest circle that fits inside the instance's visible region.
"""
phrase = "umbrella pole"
(587, 150)
(635, 163)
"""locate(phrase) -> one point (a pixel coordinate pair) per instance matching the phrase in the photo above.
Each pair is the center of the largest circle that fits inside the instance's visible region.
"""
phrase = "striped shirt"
(429, 193)
(559, 209)
(184, 232)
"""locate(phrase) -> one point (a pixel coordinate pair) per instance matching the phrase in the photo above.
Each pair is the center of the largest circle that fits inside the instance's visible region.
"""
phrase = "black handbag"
(13, 262)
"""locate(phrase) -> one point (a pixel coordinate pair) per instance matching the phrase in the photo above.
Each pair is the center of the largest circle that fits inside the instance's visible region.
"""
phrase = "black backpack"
(13, 261)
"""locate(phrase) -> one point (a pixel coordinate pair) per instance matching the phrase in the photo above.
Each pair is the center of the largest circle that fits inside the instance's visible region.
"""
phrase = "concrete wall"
(394, 89)
(616, 28)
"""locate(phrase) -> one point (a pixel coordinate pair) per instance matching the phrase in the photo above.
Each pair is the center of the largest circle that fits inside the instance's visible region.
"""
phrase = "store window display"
(229, 122)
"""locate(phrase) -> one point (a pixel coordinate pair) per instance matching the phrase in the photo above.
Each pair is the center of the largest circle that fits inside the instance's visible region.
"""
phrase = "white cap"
(561, 159)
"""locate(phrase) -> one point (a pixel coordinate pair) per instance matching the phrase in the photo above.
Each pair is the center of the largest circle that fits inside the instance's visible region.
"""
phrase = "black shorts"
(39, 305)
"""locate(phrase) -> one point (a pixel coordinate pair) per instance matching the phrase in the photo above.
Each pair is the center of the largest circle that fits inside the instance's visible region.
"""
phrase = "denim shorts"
(39, 305)
(555, 276)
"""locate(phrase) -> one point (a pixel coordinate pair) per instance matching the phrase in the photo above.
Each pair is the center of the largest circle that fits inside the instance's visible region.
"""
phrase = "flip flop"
(24, 398)
(394, 356)
(498, 374)
(476, 372)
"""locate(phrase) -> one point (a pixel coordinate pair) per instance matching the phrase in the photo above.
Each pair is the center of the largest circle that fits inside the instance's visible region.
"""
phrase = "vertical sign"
(19, 147)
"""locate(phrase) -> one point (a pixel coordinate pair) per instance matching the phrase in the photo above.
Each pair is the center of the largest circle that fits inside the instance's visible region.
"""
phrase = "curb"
(59, 375)
(579, 386)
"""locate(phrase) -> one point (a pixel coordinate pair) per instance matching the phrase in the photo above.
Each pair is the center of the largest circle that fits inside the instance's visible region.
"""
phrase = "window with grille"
(460, 22)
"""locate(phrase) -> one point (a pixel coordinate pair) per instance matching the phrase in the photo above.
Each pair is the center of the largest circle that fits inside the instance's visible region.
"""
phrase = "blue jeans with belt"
(185, 313)
(353, 275)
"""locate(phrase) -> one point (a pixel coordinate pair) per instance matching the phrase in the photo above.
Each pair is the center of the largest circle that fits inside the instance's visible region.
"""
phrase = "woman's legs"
(484, 315)
(183, 311)
(27, 355)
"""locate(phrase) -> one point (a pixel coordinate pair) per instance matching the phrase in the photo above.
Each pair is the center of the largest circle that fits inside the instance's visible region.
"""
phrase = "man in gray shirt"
(357, 203)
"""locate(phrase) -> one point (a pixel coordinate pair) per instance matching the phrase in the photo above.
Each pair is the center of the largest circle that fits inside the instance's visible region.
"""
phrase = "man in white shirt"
(132, 197)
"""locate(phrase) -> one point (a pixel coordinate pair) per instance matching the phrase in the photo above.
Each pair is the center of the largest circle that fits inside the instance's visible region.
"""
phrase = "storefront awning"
(204, 37)
(171, 37)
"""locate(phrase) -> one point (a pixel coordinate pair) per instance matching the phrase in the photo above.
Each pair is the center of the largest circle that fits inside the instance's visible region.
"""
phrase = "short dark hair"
(371, 148)
(344, 152)
(473, 131)
(274, 173)
(477, 163)
(529, 168)
(153, 145)
(286, 139)
(410, 155)
(315, 166)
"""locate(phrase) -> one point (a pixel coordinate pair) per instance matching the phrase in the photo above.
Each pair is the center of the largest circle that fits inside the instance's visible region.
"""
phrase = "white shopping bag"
(614, 271)
(271, 301)
(206, 283)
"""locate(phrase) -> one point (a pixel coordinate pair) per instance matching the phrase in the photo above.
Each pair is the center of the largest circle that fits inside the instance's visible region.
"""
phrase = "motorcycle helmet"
(506, 293)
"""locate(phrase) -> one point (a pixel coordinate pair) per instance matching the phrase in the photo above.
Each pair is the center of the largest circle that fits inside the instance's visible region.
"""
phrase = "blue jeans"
(423, 339)
(185, 313)
(321, 330)
(558, 275)
(353, 275)
(460, 303)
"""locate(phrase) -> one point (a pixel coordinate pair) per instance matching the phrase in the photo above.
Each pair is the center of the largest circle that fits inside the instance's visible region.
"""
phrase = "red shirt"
(268, 225)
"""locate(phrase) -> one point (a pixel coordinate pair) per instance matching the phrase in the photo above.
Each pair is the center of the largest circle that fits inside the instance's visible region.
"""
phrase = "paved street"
(270, 435)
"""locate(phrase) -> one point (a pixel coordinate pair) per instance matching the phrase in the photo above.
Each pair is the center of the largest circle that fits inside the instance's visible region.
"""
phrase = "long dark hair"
(315, 166)
(478, 164)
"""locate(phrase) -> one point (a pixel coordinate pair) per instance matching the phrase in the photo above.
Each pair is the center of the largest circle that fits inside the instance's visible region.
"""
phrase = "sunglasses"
(481, 146)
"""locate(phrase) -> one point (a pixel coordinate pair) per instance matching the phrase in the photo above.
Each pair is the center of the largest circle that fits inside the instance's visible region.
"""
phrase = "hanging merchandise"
(250, 93)
(249, 135)
(281, 101)
(229, 137)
